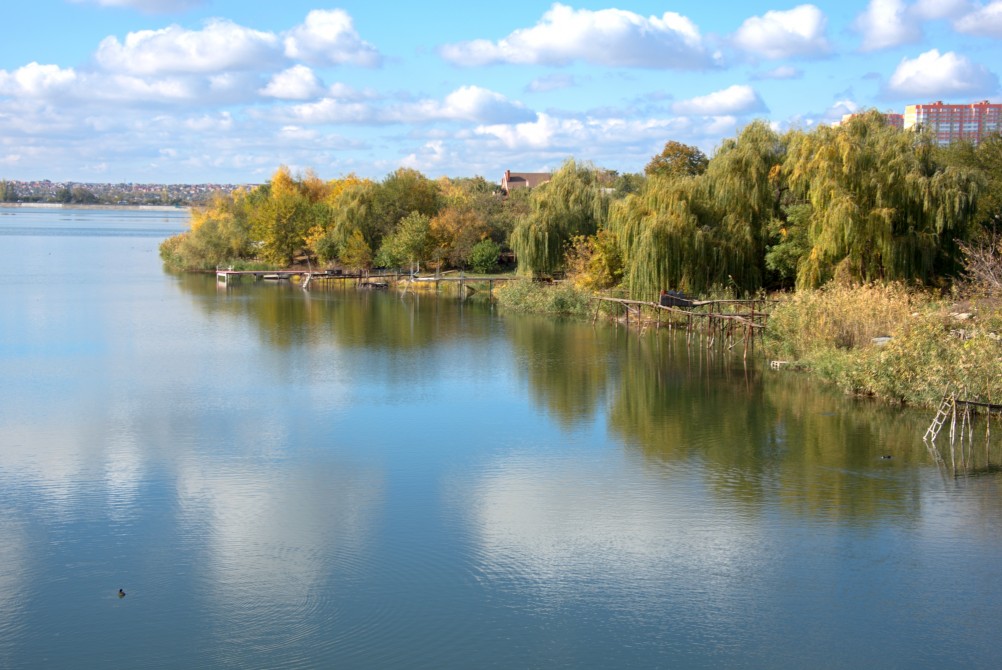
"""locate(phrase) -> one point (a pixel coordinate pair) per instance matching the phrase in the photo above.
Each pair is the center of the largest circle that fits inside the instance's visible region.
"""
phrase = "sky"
(226, 91)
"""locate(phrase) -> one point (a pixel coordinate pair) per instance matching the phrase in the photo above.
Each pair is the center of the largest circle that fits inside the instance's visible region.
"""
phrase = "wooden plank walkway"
(720, 327)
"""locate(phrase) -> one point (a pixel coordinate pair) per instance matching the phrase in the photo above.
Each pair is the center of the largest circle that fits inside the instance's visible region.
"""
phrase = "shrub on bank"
(542, 298)
(832, 333)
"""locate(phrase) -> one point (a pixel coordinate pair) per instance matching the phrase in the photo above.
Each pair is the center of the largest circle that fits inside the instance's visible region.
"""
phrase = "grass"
(830, 332)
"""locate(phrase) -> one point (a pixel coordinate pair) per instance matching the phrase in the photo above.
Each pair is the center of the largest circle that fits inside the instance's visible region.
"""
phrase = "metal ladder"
(945, 407)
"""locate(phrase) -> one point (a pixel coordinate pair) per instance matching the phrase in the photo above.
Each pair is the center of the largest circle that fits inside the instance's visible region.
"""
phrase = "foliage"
(594, 262)
(986, 161)
(787, 243)
(484, 256)
(356, 253)
(571, 203)
(677, 160)
(983, 265)
(837, 317)
(692, 233)
(409, 244)
(455, 231)
(401, 193)
(627, 183)
(543, 298)
(831, 331)
(882, 209)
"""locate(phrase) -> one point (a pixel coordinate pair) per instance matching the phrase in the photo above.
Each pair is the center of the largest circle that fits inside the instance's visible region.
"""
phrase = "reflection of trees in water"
(769, 439)
(287, 316)
(567, 365)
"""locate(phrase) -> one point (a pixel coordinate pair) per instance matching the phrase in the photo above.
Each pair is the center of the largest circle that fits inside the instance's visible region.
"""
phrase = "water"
(341, 479)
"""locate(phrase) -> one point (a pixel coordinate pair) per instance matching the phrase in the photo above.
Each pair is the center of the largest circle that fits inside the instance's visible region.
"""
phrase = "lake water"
(333, 478)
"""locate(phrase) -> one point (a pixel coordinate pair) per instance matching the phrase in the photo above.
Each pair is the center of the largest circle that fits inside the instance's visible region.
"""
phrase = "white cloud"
(330, 110)
(553, 137)
(150, 6)
(737, 99)
(297, 83)
(220, 46)
(785, 34)
(35, 80)
(887, 23)
(986, 21)
(931, 10)
(538, 134)
(935, 75)
(297, 133)
(467, 103)
(608, 37)
(217, 123)
(432, 153)
(328, 37)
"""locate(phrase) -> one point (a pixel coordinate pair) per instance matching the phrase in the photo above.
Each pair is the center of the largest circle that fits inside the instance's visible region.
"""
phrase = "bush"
(541, 298)
(484, 256)
(831, 333)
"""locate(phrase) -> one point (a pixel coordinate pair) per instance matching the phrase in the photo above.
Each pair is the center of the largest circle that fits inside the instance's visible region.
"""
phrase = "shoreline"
(59, 205)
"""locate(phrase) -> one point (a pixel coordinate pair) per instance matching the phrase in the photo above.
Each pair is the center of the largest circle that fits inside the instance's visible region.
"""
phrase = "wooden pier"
(702, 319)
(364, 279)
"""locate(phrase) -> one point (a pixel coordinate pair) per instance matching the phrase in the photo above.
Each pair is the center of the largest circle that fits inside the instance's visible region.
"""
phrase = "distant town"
(80, 193)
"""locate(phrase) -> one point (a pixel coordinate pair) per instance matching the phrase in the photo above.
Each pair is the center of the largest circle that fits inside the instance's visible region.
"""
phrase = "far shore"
(59, 205)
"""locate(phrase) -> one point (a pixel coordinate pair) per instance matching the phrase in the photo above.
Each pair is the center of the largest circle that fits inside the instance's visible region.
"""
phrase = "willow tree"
(571, 203)
(352, 224)
(657, 231)
(695, 232)
(881, 207)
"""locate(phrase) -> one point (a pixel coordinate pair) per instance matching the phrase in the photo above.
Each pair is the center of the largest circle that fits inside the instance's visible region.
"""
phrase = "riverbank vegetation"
(865, 231)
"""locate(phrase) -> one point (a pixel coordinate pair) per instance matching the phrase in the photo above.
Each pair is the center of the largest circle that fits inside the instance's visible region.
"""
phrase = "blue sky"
(186, 91)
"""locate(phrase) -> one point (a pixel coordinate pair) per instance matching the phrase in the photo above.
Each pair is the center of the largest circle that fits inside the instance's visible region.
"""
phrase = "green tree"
(281, 221)
(484, 256)
(356, 253)
(677, 160)
(881, 207)
(400, 193)
(455, 230)
(788, 244)
(696, 232)
(410, 243)
(571, 203)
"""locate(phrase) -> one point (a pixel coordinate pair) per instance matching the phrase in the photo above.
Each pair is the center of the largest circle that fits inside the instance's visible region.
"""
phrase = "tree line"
(861, 201)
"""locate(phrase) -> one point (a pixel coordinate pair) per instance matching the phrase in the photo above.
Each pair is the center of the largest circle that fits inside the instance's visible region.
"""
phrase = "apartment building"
(952, 123)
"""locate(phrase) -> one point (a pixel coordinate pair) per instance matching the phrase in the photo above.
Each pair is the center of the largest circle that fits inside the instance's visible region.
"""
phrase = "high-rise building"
(951, 123)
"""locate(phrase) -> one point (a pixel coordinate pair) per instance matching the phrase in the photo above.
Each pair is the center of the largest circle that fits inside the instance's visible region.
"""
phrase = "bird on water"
(121, 593)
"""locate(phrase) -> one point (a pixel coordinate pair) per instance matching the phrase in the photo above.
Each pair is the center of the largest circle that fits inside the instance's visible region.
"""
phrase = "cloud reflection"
(597, 525)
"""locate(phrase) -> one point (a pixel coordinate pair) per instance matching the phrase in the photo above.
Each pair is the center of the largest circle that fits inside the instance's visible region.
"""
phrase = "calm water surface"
(339, 479)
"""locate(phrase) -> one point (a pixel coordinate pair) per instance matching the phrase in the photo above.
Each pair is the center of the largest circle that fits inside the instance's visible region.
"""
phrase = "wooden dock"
(702, 319)
(365, 279)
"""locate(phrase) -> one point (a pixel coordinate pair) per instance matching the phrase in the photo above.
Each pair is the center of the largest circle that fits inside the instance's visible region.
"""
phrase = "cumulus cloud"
(935, 75)
(608, 37)
(150, 6)
(985, 21)
(785, 34)
(737, 99)
(467, 103)
(887, 23)
(35, 80)
(330, 110)
(297, 83)
(220, 46)
(328, 37)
